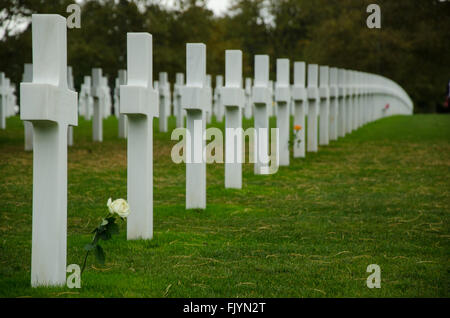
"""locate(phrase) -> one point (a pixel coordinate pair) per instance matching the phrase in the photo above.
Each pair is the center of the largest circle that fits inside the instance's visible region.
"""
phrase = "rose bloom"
(119, 206)
(297, 127)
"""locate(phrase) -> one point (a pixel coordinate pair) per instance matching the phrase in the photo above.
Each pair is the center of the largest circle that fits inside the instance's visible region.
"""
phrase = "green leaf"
(111, 219)
(113, 228)
(95, 240)
(100, 254)
(105, 235)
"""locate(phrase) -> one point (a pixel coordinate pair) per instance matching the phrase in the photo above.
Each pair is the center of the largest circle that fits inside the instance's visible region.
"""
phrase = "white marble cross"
(348, 103)
(13, 108)
(272, 107)
(85, 99)
(262, 100)
(324, 111)
(370, 97)
(218, 106)
(233, 100)
(122, 80)
(334, 104)
(283, 98)
(365, 93)
(179, 112)
(70, 84)
(98, 94)
(313, 105)
(360, 92)
(300, 101)
(359, 99)
(107, 101)
(27, 77)
(208, 98)
(7, 107)
(342, 116)
(51, 106)
(156, 88)
(116, 97)
(193, 100)
(354, 100)
(138, 100)
(7, 92)
(4, 87)
(248, 98)
(363, 102)
(164, 101)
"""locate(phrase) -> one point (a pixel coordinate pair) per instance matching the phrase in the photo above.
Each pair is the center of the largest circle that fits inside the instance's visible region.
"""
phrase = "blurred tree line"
(412, 46)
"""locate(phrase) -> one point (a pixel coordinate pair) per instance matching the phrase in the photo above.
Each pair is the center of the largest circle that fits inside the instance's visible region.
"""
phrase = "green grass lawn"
(380, 195)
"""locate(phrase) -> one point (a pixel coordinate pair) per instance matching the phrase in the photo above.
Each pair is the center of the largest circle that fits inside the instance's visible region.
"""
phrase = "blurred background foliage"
(412, 47)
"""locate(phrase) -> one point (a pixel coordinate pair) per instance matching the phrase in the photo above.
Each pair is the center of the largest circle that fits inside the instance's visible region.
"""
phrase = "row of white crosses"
(50, 106)
(325, 106)
(8, 100)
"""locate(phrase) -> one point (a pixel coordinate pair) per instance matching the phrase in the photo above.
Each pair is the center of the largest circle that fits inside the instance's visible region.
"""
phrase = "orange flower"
(297, 127)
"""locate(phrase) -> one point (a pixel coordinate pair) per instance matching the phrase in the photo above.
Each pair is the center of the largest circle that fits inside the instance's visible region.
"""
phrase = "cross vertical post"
(70, 84)
(218, 107)
(97, 93)
(164, 101)
(342, 116)
(360, 99)
(208, 98)
(354, 97)
(248, 98)
(348, 103)
(3, 100)
(179, 112)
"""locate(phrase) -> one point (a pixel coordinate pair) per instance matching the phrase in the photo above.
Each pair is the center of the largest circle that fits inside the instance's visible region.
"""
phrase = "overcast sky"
(217, 6)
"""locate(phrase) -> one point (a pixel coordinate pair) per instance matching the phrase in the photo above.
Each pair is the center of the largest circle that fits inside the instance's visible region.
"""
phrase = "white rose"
(119, 206)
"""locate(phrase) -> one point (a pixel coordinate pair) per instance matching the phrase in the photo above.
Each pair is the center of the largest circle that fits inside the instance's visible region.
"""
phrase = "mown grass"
(378, 196)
